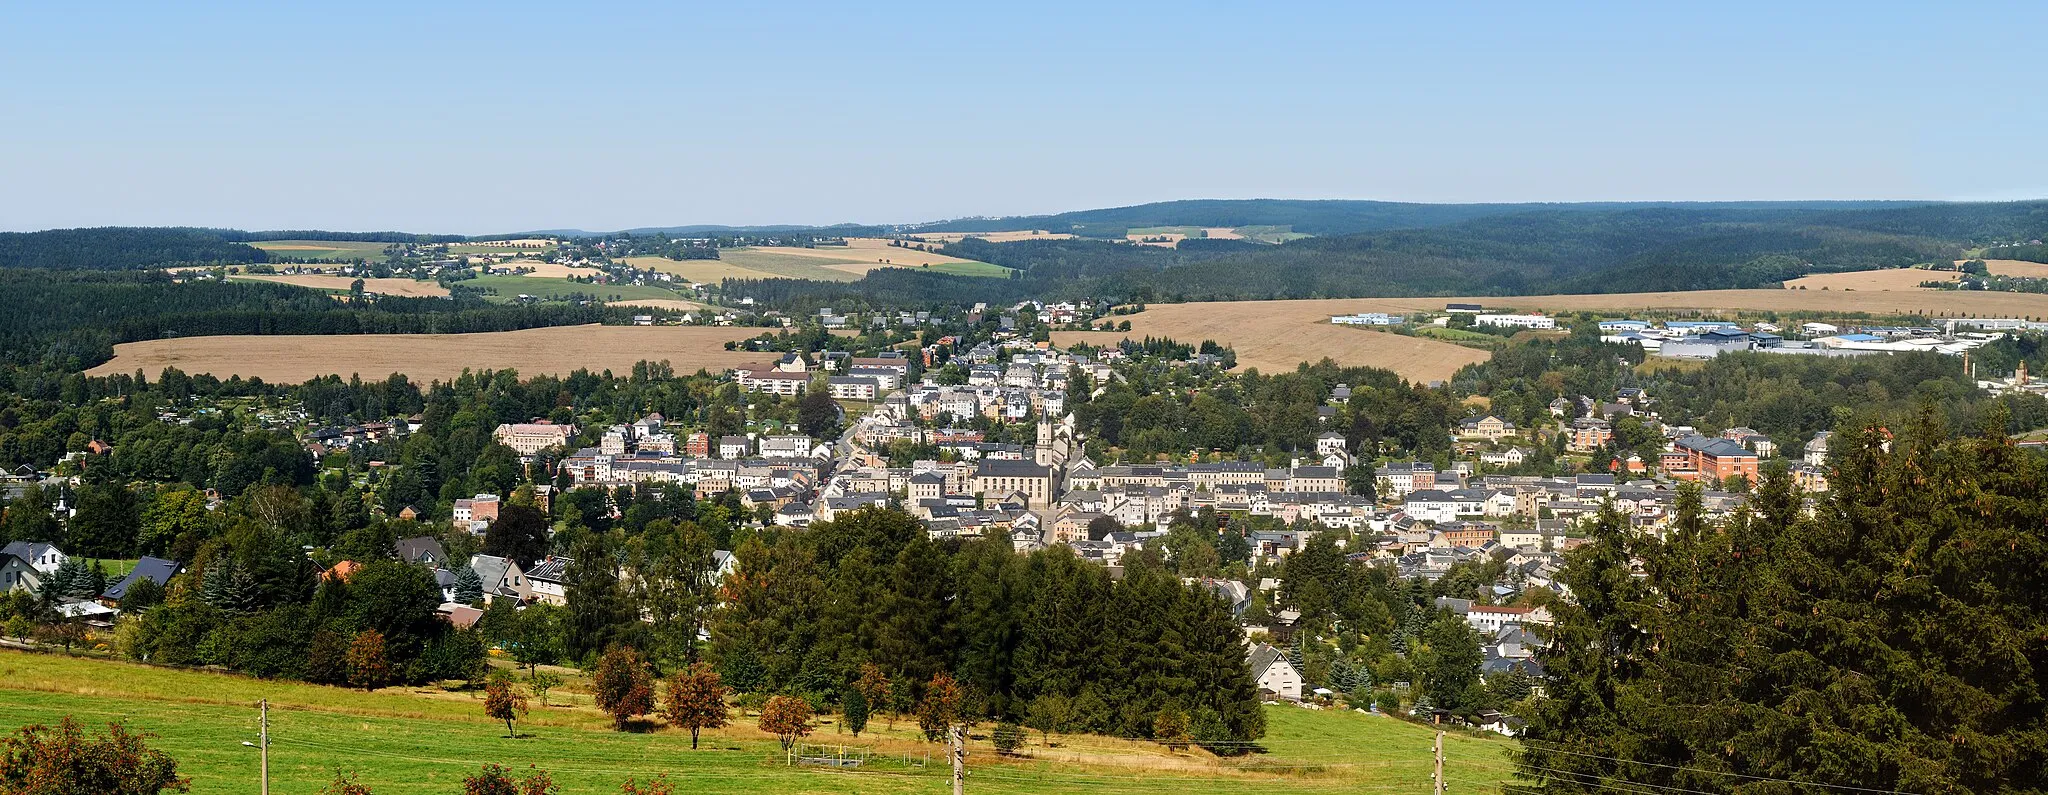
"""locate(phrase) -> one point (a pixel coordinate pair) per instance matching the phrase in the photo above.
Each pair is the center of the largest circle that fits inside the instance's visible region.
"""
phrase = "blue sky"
(477, 118)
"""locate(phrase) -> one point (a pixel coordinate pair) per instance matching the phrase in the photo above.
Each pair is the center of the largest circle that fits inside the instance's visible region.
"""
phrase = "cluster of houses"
(846, 377)
(30, 566)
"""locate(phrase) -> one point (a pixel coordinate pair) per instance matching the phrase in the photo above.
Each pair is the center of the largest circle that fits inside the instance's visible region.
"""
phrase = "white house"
(1430, 505)
(1274, 673)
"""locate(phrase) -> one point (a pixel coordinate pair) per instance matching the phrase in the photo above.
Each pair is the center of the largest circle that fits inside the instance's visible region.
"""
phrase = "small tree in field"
(622, 685)
(496, 780)
(853, 711)
(367, 666)
(503, 701)
(542, 682)
(1050, 713)
(940, 708)
(345, 784)
(36, 760)
(1008, 738)
(786, 717)
(695, 701)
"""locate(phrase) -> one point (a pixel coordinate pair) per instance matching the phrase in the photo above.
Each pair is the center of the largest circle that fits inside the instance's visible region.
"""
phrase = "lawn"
(423, 740)
(508, 288)
(966, 268)
(336, 250)
(1155, 231)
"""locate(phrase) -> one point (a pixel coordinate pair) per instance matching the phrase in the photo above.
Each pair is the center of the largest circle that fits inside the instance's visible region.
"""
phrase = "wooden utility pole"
(959, 733)
(1437, 778)
(263, 742)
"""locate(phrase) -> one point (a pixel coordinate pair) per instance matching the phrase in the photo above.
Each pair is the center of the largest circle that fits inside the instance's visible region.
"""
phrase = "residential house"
(424, 550)
(157, 570)
(44, 557)
(502, 578)
(1274, 673)
(549, 580)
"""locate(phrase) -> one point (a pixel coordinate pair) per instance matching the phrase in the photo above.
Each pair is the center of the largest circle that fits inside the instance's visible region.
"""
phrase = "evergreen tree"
(853, 709)
(468, 588)
(599, 613)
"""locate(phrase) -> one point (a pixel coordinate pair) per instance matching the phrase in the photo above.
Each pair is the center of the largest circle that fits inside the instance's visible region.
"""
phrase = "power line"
(1848, 787)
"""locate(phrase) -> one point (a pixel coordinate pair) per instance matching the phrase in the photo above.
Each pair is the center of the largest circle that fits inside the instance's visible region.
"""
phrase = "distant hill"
(121, 248)
(1324, 217)
(1554, 249)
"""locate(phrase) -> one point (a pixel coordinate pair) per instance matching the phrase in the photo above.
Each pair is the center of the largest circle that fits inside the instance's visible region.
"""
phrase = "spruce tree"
(468, 588)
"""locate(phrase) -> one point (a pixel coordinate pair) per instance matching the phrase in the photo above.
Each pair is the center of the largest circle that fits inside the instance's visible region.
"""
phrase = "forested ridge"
(141, 248)
(72, 319)
(1543, 251)
(1327, 216)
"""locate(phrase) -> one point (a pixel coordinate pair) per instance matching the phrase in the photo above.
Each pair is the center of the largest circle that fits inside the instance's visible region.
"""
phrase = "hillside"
(1555, 251)
(403, 741)
(1331, 216)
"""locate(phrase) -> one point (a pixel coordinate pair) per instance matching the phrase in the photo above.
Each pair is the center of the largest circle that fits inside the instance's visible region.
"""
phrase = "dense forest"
(1576, 250)
(1324, 216)
(72, 319)
(1889, 639)
(1025, 635)
(121, 248)
(138, 248)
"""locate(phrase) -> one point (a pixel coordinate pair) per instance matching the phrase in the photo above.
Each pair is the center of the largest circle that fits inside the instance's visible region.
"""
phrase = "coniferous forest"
(1890, 638)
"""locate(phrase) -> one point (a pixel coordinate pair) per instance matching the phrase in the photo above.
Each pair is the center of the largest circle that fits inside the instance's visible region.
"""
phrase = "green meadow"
(402, 741)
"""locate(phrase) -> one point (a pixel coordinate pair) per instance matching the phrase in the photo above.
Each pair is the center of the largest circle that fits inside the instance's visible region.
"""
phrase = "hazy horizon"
(514, 117)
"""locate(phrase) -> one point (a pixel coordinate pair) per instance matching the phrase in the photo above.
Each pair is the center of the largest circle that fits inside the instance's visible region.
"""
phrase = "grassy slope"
(404, 741)
(969, 268)
(337, 250)
(511, 287)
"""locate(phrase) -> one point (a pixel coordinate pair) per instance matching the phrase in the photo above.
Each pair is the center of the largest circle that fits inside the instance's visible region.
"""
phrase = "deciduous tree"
(503, 701)
(695, 701)
(40, 760)
(622, 686)
(367, 666)
(786, 717)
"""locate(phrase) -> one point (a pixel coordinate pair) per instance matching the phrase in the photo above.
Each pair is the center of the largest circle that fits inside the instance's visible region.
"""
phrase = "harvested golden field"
(401, 287)
(423, 357)
(2015, 267)
(992, 237)
(1277, 335)
(866, 253)
(676, 304)
(551, 270)
(1887, 279)
(1272, 336)
(701, 271)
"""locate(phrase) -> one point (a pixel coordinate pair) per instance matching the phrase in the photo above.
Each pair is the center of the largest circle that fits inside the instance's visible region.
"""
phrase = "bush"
(1008, 738)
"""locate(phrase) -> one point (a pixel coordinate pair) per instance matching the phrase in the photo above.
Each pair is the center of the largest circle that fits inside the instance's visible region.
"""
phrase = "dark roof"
(1263, 658)
(28, 551)
(421, 548)
(156, 569)
(1009, 468)
(1719, 448)
(551, 570)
